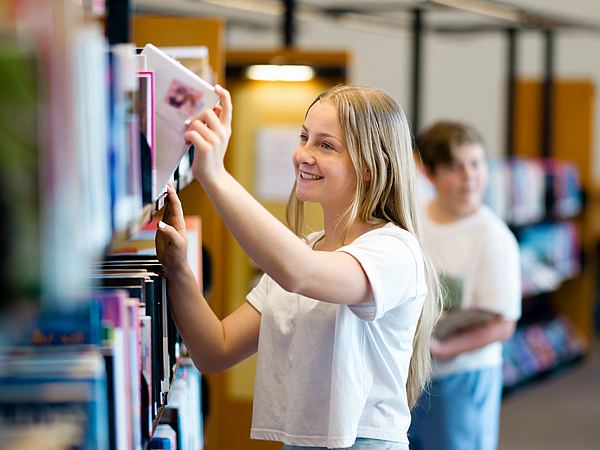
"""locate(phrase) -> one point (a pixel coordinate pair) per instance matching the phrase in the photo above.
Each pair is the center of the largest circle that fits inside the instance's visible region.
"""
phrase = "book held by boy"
(458, 317)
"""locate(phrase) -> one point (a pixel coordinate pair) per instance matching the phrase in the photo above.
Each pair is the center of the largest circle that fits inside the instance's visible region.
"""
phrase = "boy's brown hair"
(436, 143)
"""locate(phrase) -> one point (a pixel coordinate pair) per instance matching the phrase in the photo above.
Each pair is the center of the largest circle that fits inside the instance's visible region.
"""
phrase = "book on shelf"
(124, 149)
(164, 437)
(147, 136)
(179, 95)
(184, 411)
(119, 352)
(539, 347)
(56, 396)
(155, 307)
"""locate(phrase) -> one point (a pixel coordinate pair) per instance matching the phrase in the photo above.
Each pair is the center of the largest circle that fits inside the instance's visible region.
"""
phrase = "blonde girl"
(341, 319)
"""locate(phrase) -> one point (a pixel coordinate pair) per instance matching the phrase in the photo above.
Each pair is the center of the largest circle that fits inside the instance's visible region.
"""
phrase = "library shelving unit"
(89, 354)
(557, 326)
(541, 200)
(178, 31)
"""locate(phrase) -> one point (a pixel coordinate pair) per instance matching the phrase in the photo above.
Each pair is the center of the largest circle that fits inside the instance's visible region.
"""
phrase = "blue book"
(55, 389)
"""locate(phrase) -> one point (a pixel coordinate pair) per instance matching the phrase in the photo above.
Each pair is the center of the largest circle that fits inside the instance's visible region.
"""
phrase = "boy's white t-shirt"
(326, 373)
(482, 253)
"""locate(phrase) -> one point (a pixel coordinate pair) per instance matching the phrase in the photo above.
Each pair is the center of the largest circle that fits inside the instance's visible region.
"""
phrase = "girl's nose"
(304, 154)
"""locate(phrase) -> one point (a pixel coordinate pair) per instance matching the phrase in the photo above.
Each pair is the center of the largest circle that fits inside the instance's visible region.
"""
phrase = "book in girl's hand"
(179, 95)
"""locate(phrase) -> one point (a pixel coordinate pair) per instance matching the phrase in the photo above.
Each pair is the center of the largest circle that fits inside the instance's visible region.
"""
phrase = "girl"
(345, 314)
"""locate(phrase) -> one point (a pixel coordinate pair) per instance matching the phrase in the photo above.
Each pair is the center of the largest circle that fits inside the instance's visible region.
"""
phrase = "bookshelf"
(557, 325)
(175, 31)
(89, 354)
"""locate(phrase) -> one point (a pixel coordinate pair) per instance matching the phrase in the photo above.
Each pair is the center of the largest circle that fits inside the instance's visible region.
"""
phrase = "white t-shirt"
(483, 255)
(327, 373)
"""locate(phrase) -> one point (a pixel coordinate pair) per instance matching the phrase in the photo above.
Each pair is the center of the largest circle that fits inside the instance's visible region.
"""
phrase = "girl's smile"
(309, 176)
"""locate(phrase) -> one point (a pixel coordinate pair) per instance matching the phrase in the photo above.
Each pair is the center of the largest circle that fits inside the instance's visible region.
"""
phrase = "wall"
(463, 76)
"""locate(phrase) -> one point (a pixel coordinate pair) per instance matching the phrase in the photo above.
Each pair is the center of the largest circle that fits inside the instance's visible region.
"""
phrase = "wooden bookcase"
(571, 139)
(209, 32)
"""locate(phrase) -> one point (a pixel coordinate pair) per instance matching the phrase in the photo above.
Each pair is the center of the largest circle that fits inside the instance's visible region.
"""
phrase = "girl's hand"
(209, 132)
(171, 237)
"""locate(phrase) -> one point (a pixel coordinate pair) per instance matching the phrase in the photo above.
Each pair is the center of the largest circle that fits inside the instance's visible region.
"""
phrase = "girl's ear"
(367, 175)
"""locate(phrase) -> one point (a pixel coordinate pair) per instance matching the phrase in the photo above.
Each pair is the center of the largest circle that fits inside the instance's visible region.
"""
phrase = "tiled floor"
(560, 412)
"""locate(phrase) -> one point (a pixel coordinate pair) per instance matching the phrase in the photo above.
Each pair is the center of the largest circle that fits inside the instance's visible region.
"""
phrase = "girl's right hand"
(171, 236)
(209, 132)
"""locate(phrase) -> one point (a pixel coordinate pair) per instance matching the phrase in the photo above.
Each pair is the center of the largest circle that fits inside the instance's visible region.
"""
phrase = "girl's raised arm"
(213, 344)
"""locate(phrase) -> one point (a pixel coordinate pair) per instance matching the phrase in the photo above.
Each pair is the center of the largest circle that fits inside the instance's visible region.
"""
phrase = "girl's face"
(461, 183)
(324, 170)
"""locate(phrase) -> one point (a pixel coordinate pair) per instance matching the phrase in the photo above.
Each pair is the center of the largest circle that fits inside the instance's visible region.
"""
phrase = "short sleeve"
(257, 296)
(393, 263)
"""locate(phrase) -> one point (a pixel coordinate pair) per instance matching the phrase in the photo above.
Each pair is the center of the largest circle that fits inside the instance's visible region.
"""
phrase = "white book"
(180, 94)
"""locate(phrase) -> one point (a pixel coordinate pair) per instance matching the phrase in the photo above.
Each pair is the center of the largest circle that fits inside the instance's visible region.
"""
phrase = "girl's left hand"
(209, 132)
(171, 236)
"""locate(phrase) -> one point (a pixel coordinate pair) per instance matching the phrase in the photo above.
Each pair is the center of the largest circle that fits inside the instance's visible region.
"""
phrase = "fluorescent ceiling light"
(270, 72)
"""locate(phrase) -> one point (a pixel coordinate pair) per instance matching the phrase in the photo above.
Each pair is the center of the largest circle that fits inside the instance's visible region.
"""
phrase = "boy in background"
(477, 258)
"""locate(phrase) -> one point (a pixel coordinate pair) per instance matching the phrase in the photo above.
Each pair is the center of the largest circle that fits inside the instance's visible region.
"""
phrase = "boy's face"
(461, 183)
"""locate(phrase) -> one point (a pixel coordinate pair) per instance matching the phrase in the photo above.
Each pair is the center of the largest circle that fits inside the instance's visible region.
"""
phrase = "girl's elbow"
(204, 366)
(290, 282)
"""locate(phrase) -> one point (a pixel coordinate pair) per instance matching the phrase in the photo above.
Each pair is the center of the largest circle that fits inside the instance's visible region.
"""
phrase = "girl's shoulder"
(390, 230)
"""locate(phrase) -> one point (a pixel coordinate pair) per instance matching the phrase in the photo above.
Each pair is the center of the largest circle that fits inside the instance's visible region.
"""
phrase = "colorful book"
(180, 95)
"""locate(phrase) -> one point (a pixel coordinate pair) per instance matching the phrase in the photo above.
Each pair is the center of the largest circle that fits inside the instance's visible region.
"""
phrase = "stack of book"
(539, 348)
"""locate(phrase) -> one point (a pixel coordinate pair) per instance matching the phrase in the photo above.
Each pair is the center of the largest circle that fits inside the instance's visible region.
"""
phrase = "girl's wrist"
(178, 270)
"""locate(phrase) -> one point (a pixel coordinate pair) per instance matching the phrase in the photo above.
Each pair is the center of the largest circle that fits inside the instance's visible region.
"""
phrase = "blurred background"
(523, 73)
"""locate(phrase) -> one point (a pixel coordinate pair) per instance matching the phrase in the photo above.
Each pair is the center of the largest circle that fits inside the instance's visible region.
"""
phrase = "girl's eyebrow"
(324, 134)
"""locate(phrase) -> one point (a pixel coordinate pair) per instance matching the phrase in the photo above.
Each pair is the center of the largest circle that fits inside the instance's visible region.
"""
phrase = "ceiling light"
(269, 72)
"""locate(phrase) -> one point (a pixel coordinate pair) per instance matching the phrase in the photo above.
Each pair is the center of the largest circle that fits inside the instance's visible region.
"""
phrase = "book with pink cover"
(179, 94)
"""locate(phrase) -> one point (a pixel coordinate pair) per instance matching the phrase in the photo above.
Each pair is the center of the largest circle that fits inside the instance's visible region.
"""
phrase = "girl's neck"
(331, 240)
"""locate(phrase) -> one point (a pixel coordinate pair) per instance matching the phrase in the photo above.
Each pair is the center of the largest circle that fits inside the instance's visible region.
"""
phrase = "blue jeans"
(459, 412)
(360, 444)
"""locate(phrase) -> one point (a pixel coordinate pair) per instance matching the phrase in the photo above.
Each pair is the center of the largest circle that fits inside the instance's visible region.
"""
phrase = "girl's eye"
(327, 146)
(303, 138)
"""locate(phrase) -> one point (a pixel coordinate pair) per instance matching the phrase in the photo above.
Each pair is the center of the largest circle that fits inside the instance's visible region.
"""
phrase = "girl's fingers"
(206, 125)
(174, 203)
(171, 236)
(226, 105)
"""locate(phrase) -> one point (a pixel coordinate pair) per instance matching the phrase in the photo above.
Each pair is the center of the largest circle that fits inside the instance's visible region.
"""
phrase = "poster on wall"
(274, 171)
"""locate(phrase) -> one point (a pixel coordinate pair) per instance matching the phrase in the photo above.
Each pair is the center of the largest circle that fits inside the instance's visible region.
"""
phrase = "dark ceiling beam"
(289, 23)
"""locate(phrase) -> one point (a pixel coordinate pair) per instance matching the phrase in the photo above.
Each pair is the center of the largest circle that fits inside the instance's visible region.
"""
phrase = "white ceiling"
(386, 14)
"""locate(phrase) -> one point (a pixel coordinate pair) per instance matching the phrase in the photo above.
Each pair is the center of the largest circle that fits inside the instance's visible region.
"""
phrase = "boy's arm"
(473, 339)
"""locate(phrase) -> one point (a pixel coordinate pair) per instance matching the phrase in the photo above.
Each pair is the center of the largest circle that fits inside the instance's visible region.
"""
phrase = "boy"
(477, 258)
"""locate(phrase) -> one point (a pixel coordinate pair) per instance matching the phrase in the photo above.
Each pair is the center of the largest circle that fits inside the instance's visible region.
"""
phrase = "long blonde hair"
(378, 139)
